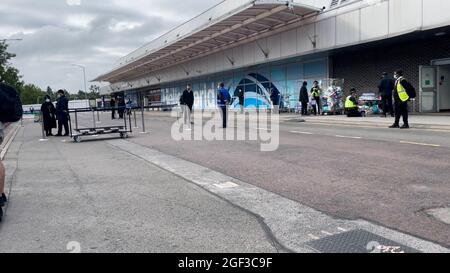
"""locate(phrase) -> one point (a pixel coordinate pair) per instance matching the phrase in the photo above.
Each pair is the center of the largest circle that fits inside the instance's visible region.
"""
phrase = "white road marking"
(326, 233)
(421, 144)
(226, 185)
(256, 200)
(352, 137)
(342, 229)
(313, 237)
(303, 133)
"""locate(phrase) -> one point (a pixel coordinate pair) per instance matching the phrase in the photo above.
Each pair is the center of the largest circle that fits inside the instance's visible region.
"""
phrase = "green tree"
(32, 94)
(50, 93)
(8, 73)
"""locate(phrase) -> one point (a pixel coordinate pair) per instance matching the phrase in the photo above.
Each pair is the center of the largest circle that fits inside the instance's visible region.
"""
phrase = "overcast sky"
(94, 33)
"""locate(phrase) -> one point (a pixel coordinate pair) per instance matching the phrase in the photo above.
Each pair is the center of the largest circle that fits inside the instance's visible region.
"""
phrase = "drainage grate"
(359, 241)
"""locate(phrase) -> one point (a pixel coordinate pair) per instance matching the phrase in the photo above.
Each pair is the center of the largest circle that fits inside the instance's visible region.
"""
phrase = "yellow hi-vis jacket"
(401, 91)
(315, 92)
(349, 104)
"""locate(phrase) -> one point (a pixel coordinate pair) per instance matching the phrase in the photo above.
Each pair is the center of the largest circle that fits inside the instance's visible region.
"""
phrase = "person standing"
(129, 106)
(223, 100)
(113, 108)
(49, 115)
(315, 93)
(402, 92)
(62, 113)
(385, 88)
(121, 105)
(188, 101)
(275, 98)
(241, 97)
(304, 98)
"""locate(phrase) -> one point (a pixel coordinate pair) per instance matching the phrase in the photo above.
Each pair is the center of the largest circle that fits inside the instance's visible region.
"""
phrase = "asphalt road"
(385, 176)
(93, 198)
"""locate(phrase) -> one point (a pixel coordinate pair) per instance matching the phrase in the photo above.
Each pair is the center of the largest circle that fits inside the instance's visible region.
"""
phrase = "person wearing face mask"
(315, 94)
(48, 111)
(62, 113)
(403, 92)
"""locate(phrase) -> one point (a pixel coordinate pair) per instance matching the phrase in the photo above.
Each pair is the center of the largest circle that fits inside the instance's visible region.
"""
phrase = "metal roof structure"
(220, 27)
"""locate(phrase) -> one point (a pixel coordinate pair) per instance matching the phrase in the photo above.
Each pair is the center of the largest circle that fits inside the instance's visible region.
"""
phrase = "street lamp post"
(85, 85)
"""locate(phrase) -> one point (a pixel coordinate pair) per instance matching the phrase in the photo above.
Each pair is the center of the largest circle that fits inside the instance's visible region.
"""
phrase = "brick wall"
(362, 68)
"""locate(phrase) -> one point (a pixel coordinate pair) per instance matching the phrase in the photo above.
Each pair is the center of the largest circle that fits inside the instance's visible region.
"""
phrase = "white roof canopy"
(206, 34)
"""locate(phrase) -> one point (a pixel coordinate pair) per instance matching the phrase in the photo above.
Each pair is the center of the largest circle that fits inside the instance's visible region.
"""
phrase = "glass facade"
(258, 83)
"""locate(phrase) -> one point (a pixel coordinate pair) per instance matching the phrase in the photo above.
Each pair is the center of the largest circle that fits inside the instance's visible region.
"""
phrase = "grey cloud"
(45, 54)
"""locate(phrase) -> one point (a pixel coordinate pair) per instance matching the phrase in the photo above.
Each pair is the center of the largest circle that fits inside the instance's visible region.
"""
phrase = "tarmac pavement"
(291, 206)
(346, 173)
(91, 197)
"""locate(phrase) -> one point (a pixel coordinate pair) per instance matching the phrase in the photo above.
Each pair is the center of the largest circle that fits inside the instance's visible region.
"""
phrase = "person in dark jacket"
(121, 107)
(62, 113)
(113, 107)
(304, 98)
(223, 100)
(241, 97)
(275, 98)
(385, 88)
(187, 100)
(401, 99)
(48, 111)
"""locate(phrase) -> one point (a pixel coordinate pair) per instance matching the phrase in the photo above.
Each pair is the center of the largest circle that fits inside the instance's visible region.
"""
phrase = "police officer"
(315, 94)
(351, 105)
(62, 113)
(401, 99)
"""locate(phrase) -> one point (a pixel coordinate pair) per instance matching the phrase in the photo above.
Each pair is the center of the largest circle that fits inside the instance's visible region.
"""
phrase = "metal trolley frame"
(77, 133)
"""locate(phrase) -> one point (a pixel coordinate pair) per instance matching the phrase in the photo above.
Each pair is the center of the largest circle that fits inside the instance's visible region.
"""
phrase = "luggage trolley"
(78, 133)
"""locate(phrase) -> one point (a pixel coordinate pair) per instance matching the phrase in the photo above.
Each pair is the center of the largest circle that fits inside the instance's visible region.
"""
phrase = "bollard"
(143, 121)
(93, 118)
(125, 123)
(135, 119)
(44, 137)
(129, 119)
(76, 120)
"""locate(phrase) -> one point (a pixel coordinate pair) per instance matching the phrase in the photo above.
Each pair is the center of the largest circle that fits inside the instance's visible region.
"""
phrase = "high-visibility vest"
(315, 92)
(401, 91)
(349, 104)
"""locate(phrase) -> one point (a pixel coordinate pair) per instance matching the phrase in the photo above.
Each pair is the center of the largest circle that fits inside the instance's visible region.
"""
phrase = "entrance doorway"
(444, 87)
(435, 87)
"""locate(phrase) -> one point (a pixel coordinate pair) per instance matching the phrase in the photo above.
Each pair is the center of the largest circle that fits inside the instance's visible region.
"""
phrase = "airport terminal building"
(262, 45)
